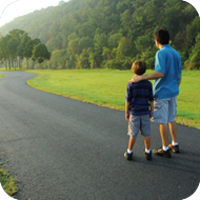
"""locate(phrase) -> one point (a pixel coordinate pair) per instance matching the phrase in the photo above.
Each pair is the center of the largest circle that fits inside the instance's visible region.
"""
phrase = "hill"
(111, 34)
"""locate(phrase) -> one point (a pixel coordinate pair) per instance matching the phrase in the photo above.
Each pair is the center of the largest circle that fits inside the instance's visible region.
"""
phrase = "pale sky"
(10, 9)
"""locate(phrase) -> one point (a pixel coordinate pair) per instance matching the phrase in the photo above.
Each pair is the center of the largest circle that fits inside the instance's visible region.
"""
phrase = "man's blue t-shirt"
(168, 62)
(139, 95)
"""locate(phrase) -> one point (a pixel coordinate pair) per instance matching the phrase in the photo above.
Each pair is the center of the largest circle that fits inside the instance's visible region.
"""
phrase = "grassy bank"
(8, 183)
(108, 87)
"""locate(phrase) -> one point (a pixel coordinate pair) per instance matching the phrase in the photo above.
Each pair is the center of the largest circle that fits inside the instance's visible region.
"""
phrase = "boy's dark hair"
(162, 36)
(139, 67)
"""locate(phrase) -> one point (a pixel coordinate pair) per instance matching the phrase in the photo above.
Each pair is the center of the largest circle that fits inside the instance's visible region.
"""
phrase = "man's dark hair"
(162, 36)
(139, 67)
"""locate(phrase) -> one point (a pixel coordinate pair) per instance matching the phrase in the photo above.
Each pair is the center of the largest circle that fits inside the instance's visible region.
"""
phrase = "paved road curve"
(64, 149)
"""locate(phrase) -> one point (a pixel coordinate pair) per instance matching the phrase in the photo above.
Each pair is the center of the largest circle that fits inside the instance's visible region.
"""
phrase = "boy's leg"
(129, 152)
(131, 143)
(147, 142)
(133, 129)
(147, 152)
(146, 131)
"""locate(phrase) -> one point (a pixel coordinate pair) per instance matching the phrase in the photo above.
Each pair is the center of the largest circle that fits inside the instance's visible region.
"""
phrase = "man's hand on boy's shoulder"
(136, 79)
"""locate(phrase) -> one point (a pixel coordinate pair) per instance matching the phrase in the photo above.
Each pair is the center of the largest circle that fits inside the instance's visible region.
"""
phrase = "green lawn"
(108, 88)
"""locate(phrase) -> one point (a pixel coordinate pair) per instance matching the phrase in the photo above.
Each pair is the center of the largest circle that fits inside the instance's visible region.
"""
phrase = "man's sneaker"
(161, 152)
(147, 155)
(128, 156)
(174, 149)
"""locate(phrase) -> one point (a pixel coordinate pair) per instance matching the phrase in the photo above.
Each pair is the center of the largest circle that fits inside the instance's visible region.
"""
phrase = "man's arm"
(127, 111)
(180, 80)
(152, 76)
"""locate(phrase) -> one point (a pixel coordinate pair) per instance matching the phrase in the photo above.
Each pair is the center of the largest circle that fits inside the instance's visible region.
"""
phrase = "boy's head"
(139, 67)
(162, 36)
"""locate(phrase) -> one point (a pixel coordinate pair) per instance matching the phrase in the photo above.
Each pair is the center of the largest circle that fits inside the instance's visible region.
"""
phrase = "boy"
(137, 110)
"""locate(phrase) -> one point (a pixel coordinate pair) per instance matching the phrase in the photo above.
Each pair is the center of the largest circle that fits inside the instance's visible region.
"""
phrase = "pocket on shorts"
(157, 110)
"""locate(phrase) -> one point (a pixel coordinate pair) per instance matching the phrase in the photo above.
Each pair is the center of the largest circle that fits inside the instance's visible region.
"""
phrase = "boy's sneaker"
(147, 155)
(174, 149)
(161, 152)
(128, 156)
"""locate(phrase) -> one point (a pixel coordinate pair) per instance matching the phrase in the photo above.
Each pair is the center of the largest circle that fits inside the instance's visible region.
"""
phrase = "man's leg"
(161, 112)
(164, 134)
(174, 134)
(173, 126)
(164, 151)
(174, 131)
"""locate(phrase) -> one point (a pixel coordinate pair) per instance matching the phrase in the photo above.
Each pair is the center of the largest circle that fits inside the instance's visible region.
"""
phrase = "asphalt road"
(61, 149)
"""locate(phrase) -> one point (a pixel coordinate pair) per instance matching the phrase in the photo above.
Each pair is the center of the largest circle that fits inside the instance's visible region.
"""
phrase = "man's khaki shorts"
(164, 110)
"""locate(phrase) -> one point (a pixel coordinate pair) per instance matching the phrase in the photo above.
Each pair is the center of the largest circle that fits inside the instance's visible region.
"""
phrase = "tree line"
(90, 34)
(17, 46)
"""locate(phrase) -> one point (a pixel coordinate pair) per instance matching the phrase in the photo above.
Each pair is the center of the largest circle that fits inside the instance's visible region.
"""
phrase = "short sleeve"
(128, 93)
(160, 62)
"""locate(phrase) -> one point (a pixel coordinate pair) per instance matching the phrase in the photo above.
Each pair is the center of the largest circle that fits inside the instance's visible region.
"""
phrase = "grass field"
(108, 87)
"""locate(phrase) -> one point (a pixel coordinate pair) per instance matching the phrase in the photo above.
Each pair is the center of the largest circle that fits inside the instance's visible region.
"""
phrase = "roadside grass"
(8, 183)
(3, 69)
(107, 88)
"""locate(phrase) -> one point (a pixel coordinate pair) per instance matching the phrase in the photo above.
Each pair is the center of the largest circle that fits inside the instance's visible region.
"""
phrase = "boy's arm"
(127, 111)
(151, 109)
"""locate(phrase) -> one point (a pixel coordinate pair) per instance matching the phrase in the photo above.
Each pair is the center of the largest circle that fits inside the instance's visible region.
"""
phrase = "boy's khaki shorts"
(139, 123)
(164, 110)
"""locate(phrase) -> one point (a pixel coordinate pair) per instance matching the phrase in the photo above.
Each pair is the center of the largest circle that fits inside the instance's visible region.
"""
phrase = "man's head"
(162, 37)
(139, 67)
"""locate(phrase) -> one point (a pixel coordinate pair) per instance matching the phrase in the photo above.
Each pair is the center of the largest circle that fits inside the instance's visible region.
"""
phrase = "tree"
(40, 53)
(113, 40)
(30, 45)
(12, 49)
(100, 40)
(195, 54)
(5, 50)
(143, 43)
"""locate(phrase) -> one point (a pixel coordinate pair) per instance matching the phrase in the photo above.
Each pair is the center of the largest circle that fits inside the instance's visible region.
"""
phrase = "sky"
(10, 9)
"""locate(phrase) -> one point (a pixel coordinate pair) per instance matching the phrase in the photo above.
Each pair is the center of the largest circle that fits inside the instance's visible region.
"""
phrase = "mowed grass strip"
(8, 183)
(108, 88)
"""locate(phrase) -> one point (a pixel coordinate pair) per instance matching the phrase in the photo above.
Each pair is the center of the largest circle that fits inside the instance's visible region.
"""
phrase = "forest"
(18, 46)
(89, 34)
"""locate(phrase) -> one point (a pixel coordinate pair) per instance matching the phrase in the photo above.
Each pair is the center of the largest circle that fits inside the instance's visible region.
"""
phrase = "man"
(167, 78)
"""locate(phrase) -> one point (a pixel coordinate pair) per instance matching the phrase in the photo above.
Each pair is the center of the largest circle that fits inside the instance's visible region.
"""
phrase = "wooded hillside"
(111, 34)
